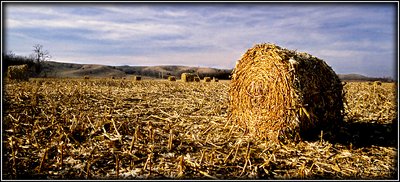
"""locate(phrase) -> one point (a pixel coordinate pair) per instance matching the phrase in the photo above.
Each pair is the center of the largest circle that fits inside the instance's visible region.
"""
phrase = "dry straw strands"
(187, 77)
(19, 72)
(207, 79)
(382, 99)
(76, 120)
(172, 78)
(278, 94)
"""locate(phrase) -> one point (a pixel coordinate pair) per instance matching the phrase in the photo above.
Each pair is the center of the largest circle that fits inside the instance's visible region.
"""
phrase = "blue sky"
(350, 37)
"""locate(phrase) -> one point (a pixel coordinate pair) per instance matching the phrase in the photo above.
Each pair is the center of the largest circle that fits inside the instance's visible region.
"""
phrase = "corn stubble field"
(157, 129)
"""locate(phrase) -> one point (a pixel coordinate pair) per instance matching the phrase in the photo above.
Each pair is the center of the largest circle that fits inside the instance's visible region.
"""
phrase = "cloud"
(99, 29)
(347, 36)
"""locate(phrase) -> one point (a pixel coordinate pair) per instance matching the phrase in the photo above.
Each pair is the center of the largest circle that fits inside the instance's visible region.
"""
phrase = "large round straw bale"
(171, 78)
(137, 78)
(280, 94)
(18, 72)
(215, 79)
(187, 77)
(197, 79)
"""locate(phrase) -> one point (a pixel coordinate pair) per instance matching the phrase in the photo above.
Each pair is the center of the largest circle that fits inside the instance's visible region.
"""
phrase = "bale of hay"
(187, 77)
(215, 79)
(113, 77)
(137, 78)
(172, 78)
(197, 79)
(18, 72)
(280, 94)
(377, 83)
(86, 77)
(207, 79)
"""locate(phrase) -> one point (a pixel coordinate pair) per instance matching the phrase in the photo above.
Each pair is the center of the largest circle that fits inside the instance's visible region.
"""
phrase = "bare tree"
(10, 54)
(40, 55)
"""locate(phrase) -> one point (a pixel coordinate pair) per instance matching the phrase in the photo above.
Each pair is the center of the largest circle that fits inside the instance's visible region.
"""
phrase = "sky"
(350, 37)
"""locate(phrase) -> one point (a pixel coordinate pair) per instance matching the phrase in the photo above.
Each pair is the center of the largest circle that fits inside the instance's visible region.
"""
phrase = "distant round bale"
(377, 83)
(197, 79)
(187, 77)
(137, 78)
(280, 95)
(18, 72)
(207, 79)
(172, 78)
(215, 79)
(86, 77)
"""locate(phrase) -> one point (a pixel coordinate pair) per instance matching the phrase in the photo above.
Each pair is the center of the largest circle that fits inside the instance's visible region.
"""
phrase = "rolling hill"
(71, 70)
(56, 69)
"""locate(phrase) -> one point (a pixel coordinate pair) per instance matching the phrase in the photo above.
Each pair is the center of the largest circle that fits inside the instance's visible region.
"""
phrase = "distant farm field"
(158, 129)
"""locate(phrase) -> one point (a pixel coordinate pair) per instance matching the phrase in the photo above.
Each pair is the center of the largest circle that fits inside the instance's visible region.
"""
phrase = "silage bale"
(172, 78)
(280, 94)
(187, 77)
(207, 79)
(18, 72)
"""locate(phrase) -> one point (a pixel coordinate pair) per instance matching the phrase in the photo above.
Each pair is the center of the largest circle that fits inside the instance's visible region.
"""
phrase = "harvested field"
(157, 129)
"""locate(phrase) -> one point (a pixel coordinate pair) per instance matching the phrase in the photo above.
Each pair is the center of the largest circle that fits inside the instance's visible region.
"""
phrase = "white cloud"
(205, 35)
(108, 29)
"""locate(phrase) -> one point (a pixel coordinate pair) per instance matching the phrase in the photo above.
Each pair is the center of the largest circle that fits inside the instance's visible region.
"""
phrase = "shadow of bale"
(365, 134)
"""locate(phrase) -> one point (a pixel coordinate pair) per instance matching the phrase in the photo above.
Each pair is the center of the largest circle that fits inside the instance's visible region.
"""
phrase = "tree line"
(34, 61)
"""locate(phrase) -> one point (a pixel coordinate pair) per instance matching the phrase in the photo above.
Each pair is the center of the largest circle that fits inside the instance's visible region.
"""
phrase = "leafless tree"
(39, 55)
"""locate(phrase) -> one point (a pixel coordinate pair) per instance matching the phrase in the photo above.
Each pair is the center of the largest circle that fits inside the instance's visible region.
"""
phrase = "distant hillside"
(56, 69)
(358, 77)
(165, 71)
(352, 77)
